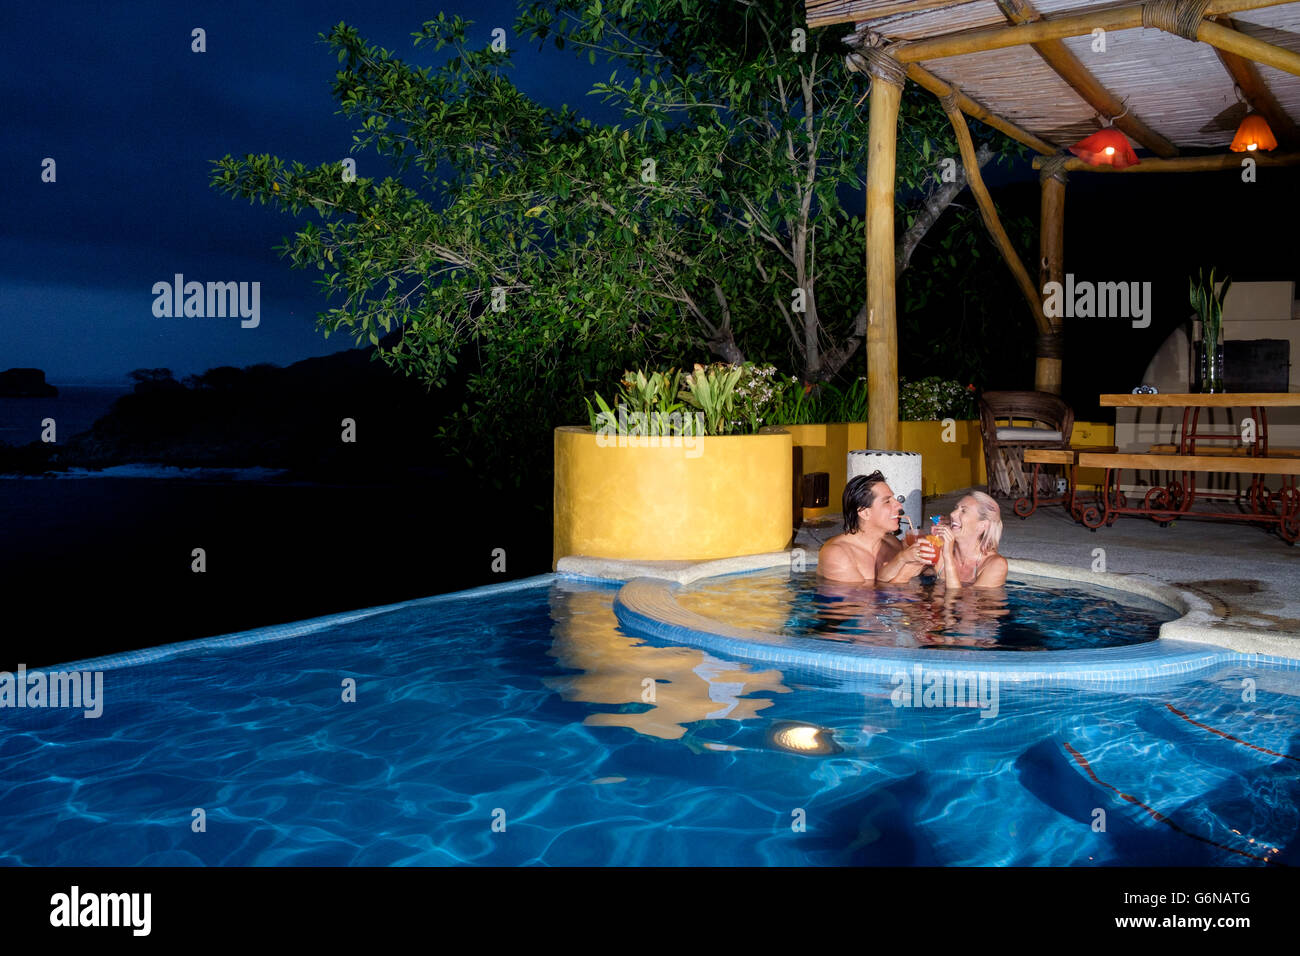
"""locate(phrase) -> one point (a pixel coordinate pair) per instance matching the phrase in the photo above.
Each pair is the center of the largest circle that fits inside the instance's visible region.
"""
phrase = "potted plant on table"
(1208, 352)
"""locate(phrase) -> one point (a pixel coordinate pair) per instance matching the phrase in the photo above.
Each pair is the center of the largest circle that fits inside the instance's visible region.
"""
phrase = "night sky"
(133, 119)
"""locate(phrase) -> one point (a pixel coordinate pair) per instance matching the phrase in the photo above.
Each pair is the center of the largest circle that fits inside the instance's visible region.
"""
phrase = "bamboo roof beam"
(1068, 67)
(1125, 17)
(1261, 99)
(989, 213)
(1233, 41)
(1183, 164)
(924, 78)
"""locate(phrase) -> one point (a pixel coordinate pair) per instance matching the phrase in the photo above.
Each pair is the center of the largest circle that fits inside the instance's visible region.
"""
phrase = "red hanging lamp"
(1107, 147)
(1253, 134)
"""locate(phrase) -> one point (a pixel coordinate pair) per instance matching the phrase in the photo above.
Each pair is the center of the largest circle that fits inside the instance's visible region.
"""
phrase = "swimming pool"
(524, 725)
(1028, 615)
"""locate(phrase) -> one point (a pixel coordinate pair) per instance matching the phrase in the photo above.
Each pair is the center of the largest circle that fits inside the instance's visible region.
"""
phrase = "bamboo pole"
(1051, 245)
(1185, 164)
(1220, 37)
(990, 215)
(1125, 17)
(939, 88)
(1068, 67)
(882, 324)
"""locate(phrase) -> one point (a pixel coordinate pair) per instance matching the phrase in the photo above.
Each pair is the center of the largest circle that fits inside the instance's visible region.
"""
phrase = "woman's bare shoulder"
(994, 572)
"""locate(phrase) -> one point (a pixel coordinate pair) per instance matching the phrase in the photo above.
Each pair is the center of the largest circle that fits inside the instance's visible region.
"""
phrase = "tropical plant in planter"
(1209, 309)
(713, 391)
(653, 398)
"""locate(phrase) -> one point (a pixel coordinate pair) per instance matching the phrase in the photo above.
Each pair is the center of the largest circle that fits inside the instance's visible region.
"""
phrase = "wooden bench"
(1067, 458)
(1242, 450)
(1165, 503)
(1160, 461)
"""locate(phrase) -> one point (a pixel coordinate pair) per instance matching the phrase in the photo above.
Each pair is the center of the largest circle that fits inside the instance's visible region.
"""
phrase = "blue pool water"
(1026, 615)
(528, 708)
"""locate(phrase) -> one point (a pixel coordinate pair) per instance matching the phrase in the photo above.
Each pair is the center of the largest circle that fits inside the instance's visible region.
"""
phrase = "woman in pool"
(969, 557)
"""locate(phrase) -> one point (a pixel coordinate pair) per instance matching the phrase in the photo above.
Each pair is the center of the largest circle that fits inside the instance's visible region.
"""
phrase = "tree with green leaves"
(545, 251)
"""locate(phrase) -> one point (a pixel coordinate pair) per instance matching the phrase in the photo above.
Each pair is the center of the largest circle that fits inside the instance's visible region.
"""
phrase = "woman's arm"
(950, 579)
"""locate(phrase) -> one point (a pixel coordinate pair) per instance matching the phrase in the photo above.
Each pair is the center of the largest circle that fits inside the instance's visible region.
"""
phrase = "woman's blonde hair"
(989, 511)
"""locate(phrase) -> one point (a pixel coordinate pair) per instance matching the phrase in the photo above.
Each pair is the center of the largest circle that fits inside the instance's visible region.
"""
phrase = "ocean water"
(516, 728)
(74, 410)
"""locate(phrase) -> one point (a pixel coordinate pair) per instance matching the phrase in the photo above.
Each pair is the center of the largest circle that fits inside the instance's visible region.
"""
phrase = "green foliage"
(713, 391)
(655, 396)
(760, 391)
(1208, 304)
(518, 253)
(735, 399)
(933, 398)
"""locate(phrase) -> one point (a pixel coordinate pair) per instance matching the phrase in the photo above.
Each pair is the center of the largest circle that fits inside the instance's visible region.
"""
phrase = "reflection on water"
(924, 614)
(921, 615)
(661, 689)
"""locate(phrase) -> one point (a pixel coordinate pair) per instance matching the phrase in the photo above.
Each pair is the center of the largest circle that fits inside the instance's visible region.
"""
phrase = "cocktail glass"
(933, 537)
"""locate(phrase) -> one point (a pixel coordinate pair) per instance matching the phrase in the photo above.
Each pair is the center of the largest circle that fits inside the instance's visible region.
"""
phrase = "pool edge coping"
(282, 632)
(1197, 622)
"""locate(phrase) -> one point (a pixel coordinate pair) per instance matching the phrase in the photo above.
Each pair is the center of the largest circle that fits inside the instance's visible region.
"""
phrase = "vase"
(1209, 373)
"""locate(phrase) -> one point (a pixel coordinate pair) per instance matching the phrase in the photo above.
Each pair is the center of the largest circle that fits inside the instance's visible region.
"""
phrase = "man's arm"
(835, 563)
(896, 564)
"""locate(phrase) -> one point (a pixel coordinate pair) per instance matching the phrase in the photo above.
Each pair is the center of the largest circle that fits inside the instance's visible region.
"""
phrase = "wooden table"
(1164, 503)
(1192, 402)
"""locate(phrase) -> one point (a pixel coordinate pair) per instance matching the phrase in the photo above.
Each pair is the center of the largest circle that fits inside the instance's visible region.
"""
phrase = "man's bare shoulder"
(837, 560)
(889, 545)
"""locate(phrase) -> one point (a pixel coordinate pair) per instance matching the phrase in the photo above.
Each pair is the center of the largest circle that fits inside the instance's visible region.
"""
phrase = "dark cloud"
(133, 120)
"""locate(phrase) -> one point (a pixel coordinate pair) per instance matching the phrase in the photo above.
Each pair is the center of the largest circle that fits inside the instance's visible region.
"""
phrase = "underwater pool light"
(806, 739)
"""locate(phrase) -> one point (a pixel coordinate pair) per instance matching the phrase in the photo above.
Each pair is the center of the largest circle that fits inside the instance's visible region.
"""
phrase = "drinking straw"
(908, 519)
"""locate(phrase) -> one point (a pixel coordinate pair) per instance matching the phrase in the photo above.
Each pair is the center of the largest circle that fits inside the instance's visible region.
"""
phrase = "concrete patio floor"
(1249, 575)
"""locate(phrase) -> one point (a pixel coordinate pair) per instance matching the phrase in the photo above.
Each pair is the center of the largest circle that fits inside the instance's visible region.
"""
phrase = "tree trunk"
(727, 350)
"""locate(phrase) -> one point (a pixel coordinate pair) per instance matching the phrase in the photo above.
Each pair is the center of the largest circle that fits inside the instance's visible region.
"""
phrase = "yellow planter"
(704, 498)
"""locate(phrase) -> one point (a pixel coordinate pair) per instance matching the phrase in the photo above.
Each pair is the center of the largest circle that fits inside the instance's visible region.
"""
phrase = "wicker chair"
(1005, 444)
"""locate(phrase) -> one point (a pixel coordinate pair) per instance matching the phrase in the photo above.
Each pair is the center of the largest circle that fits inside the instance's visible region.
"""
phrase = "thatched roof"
(1180, 93)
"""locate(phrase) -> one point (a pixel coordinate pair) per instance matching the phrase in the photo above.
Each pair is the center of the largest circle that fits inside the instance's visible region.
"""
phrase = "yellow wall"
(826, 448)
(945, 466)
(727, 496)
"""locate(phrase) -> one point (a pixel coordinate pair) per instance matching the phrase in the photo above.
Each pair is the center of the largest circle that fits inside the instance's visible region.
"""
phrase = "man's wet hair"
(859, 493)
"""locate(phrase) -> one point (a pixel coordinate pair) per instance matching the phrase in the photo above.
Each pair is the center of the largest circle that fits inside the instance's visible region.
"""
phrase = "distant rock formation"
(25, 383)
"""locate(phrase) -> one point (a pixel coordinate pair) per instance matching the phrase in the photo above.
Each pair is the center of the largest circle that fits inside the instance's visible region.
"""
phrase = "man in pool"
(868, 552)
